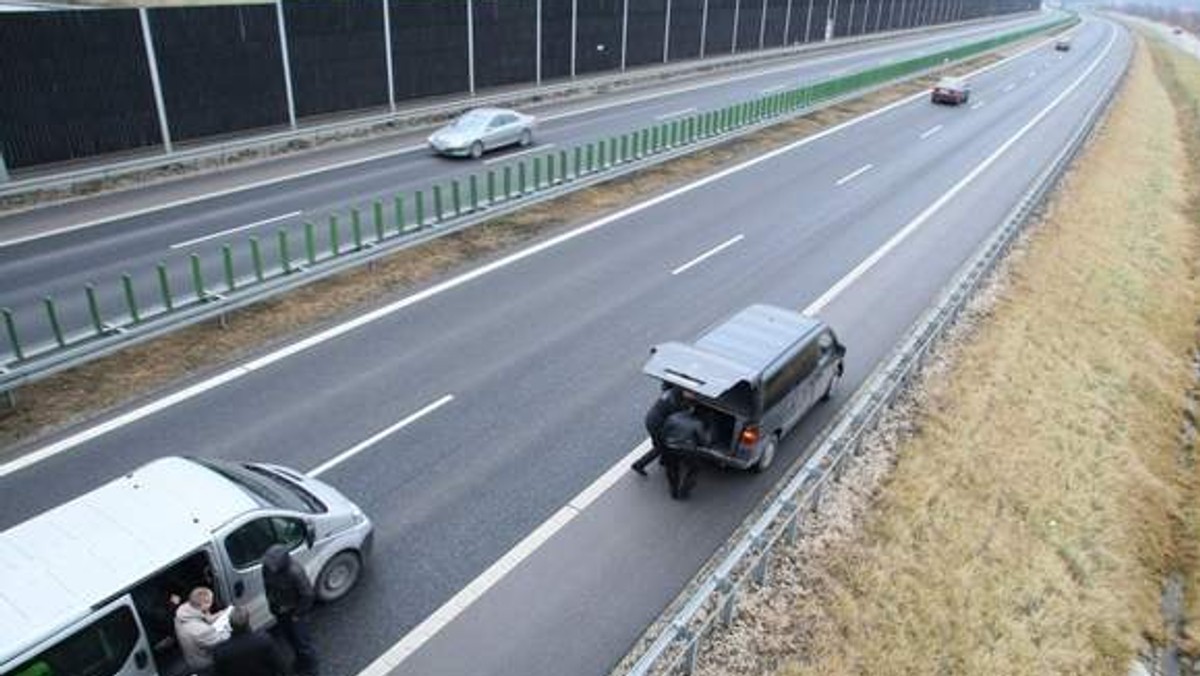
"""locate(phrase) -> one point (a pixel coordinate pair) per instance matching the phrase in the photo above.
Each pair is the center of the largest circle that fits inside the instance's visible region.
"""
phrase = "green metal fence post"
(310, 243)
(227, 256)
(437, 203)
(550, 178)
(94, 308)
(591, 157)
(198, 278)
(285, 258)
(507, 182)
(399, 206)
(456, 197)
(55, 326)
(624, 148)
(521, 175)
(537, 174)
(474, 192)
(14, 339)
(378, 221)
(562, 165)
(335, 244)
(491, 187)
(256, 258)
(356, 228)
(164, 286)
(600, 155)
(131, 300)
(420, 196)
(578, 161)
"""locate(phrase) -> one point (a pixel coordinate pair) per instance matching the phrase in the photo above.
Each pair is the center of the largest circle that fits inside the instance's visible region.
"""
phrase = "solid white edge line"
(255, 224)
(236, 372)
(509, 156)
(674, 113)
(930, 132)
(870, 261)
(977, 105)
(430, 626)
(772, 90)
(378, 436)
(855, 174)
(413, 148)
(1009, 87)
(708, 254)
(427, 629)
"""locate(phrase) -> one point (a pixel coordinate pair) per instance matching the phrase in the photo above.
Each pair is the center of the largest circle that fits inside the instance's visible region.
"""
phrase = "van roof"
(737, 350)
(756, 336)
(57, 565)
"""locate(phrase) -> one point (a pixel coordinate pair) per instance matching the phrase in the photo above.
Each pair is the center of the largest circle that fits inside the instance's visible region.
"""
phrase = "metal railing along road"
(675, 647)
(167, 298)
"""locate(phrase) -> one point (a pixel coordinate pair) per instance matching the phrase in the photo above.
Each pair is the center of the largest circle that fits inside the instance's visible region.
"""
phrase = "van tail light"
(749, 436)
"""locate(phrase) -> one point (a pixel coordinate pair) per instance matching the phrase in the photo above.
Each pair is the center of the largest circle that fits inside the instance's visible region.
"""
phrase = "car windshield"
(266, 486)
(471, 121)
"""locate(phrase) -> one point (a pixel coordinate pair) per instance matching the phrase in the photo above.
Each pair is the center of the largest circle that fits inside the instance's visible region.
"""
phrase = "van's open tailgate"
(702, 372)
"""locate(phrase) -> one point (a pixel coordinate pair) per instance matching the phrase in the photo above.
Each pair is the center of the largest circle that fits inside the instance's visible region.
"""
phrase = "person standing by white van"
(196, 630)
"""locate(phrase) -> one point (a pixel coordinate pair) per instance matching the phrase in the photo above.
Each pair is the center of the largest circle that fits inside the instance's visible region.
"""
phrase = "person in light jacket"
(290, 597)
(195, 632)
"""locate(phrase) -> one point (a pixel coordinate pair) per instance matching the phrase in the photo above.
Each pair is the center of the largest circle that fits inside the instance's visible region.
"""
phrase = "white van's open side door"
(242, 547)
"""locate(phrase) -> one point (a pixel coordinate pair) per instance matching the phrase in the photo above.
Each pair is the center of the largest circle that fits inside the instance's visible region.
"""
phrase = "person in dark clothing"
(670, 401)
(247, 652)
(682, 434)
(290, 597)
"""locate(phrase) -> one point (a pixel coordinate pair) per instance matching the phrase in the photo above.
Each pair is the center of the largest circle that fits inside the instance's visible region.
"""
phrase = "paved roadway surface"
(61, 266)
(541, 353)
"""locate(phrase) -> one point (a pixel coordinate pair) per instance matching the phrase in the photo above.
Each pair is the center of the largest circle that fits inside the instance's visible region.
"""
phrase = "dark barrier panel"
(647, 28)
(686, 18)
(556, 38)
(598, 40)
(505, 42)
(841, 17)
(777, 17)
(338, 58)
(749, 25)
(73, 84)
(221, 69)
(718, 36)
(429, 47)
(812, 24)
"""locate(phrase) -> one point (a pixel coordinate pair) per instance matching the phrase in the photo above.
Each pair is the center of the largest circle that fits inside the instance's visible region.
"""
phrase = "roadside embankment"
(1022, 510)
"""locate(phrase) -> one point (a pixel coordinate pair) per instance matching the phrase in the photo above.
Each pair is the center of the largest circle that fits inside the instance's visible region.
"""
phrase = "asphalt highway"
(529, 370)
(54, 252)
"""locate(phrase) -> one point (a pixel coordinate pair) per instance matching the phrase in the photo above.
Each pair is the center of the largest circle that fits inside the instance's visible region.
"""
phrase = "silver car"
(477, 131)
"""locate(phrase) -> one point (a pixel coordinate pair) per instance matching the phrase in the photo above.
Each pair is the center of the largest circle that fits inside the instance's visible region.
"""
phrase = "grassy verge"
(1021, 515)
(85, 392)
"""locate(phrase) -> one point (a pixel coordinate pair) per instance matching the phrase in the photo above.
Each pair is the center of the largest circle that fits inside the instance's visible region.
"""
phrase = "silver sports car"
(477, 131)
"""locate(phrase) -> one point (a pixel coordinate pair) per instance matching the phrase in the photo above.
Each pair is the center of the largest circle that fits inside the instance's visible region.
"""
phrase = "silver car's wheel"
(338, 576)
(526, 138)
(477, 150)
(768, 455)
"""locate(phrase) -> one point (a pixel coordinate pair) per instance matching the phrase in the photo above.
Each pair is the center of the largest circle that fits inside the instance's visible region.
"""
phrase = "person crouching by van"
(195, 632)
(670, 401)
(290, 597)
(682, 434)
(247, 652)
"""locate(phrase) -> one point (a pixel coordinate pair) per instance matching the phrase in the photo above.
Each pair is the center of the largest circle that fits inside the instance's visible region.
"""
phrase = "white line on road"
(233, 230)
(930, 132)
(674, 113)
(772, 90)
(1009, 87)
(1033, 73)
(977, 105)
(508, 156)
(155, 406)
(708, 254)
(855, 174)
(380, 436)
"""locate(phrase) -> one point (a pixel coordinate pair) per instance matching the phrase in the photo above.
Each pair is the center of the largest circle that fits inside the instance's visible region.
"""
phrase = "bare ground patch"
(78, 395)
(1019, 512)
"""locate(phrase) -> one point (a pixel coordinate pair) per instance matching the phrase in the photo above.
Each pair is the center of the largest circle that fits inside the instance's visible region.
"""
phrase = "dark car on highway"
(952, 90)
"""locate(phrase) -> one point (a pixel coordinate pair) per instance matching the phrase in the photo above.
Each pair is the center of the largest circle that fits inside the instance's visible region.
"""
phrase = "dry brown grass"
(1032, 511)
(83, 393)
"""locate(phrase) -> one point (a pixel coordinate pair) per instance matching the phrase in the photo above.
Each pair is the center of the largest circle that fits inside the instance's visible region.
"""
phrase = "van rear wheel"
(768, 455)
(338, 576)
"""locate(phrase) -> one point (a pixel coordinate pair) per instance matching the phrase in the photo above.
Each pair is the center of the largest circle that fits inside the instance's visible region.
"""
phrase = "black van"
(752, 378)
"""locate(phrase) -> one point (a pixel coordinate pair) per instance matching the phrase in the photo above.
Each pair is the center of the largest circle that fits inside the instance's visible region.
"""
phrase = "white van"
(86, 588)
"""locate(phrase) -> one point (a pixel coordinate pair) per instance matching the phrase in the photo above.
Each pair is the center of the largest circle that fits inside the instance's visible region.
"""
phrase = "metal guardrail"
(186, 297)
(713, 603)
(416, 116)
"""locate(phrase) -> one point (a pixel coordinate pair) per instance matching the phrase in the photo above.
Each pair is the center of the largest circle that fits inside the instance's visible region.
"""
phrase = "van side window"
(247, 544)
(791, 374)
(100, 649)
